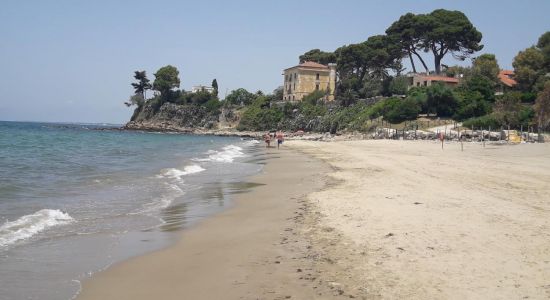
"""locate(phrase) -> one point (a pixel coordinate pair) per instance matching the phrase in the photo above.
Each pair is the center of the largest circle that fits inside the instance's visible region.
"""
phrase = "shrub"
(420, 95)
(240, 96)
(213, 105)
(402, 110)
(483, 121)
(399, 85)
(313, 97)
(471, 105)
(441, 100)
(258, 116)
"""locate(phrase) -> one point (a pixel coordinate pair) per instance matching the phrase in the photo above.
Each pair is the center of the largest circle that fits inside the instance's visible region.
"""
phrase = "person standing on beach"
(280, 138)
(267, 139)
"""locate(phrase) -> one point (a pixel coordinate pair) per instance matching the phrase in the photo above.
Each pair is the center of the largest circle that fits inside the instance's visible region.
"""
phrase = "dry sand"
(407, 220)
(382, 220)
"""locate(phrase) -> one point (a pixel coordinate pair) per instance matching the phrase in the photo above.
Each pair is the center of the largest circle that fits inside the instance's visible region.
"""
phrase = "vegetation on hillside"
(372, 85)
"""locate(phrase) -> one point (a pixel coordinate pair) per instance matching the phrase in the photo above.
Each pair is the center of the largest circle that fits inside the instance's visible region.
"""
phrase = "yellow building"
(308, 77)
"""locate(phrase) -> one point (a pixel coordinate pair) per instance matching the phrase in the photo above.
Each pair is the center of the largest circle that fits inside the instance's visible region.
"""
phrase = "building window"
(317, 76)
(425, 83)
(293, 98)
(317, 87)
(295, 76)
(294, 85)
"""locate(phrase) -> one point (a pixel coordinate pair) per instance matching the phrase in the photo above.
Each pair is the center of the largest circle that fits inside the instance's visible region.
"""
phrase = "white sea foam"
(227, 154)
(162, 202)
(177, 173)
(29, 225)
(251, 142)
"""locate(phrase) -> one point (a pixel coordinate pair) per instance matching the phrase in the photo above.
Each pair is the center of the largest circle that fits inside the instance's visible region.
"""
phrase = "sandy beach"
(406, 220)
(368, 220)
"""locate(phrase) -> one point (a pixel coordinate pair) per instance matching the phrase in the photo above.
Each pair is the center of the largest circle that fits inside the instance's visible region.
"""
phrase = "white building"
(198, 88)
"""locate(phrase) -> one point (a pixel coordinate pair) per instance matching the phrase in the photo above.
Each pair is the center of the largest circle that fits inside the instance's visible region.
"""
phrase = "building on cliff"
(198, 88)
(420, 79)
(308, 77)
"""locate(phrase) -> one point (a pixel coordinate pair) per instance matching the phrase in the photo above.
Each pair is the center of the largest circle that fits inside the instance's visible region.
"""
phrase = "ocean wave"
(227, 154)
(160, 203)
(177, 173)
(251, 142)
(29, 225)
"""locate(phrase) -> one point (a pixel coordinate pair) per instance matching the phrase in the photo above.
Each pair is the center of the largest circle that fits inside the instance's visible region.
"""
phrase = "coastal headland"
(364, 219)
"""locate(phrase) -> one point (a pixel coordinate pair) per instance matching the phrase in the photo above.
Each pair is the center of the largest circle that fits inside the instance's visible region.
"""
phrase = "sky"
(73, 61)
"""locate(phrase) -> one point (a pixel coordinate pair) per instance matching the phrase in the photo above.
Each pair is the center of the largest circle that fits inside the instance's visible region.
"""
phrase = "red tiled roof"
(441, 78)
(310, 64)
(505, 77)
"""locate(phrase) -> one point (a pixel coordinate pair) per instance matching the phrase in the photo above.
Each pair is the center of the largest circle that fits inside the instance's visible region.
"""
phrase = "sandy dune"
(406, 220)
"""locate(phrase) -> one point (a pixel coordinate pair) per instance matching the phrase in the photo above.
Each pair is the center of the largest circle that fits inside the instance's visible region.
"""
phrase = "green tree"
(459, 71)
(166, 79)
(399, 85)
(486, 65)
(544, 46)
(407, 33)
(471, 104)
(240, 97)
(215, 86)
(528, 67)
(402, 110)
(365, 61)
(420, 96)
(318, 56)
(481, 84)
(507, 109)
(278, 93)
(542, 107)
(441, 100)
(142, 84)
(136, 99)
(449, 32)
(372, 86)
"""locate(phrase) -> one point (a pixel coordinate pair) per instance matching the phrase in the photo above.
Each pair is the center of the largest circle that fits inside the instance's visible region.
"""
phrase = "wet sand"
(250, 251)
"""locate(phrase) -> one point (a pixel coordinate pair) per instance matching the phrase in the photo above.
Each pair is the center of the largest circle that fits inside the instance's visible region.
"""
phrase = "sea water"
(76, 198)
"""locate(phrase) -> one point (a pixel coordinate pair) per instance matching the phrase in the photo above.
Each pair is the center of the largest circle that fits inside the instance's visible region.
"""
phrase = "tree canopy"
(215, 86)
(166, 79)
(318, 56)
(449, 32)
(542, 107)
(142, 83)
(486, 65)
(439, 32)
(544, 46)
(240, 97)
(407, 33)
(528, 67)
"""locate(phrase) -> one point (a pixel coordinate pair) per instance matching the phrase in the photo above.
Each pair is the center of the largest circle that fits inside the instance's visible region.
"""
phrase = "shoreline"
(249, 250)
(376, 219)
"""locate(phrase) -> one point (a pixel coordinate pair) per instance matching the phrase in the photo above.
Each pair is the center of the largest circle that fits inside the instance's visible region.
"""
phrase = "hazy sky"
(74, 60)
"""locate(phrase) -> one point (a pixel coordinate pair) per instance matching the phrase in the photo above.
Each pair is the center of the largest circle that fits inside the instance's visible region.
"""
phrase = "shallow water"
(75, 199)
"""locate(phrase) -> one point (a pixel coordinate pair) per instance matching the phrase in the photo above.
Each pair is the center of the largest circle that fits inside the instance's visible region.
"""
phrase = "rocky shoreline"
(379, 133)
